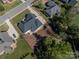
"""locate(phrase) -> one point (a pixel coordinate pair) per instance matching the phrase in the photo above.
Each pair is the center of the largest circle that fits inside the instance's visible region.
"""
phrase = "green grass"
(12, 5)
(22, 48)
(18, 18)
(63, 10)
(76, 19)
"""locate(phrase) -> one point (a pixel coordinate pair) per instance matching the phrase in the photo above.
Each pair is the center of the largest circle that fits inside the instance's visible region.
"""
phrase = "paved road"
(15, 11)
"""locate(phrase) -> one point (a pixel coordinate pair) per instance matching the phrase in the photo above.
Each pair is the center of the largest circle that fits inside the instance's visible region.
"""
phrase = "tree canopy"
(51, 48)
(1, 7)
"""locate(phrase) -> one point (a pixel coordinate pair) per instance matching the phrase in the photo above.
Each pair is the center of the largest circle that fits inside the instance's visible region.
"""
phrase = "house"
(8, 36)
(6, 43)
(7, 1)
(70, 2)
(52, 8)
(30, 24)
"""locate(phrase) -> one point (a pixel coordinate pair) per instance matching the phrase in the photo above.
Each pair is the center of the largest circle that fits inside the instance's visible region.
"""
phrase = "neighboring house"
(30, 24)
(52, 8)
(7, 1)
(6, 43)
(7, 38)
(69, 2)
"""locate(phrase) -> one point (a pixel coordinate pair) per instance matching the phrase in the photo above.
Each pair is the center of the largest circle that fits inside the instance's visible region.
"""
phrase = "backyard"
(22, 49)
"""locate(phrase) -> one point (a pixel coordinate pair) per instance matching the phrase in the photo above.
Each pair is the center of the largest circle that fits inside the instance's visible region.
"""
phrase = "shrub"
(1, 7)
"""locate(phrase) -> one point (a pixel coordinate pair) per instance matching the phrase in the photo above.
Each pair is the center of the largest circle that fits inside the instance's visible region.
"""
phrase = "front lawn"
(22, 49)
(18, 18)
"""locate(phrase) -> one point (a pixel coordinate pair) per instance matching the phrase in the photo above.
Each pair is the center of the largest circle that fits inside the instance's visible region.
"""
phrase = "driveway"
(12, 30)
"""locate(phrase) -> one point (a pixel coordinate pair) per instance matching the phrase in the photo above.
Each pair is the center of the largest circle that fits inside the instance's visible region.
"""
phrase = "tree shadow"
(40, 48)
(55, 24)
(38, 37)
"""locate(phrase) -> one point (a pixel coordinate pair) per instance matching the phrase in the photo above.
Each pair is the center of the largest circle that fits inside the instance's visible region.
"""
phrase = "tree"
(1, 7)
(66, 6)
(73, 35)
(59, 23)
(40, 4)
(51, 48)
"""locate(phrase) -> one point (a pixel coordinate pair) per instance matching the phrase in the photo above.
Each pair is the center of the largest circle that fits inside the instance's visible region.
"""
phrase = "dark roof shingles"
(30, 23)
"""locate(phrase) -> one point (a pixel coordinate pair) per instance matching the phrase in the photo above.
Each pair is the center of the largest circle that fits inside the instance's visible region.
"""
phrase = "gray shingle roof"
(30, 23)
(70, 2)
(51, 8)
(50, 4)
(5, 37)
(5, 41)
